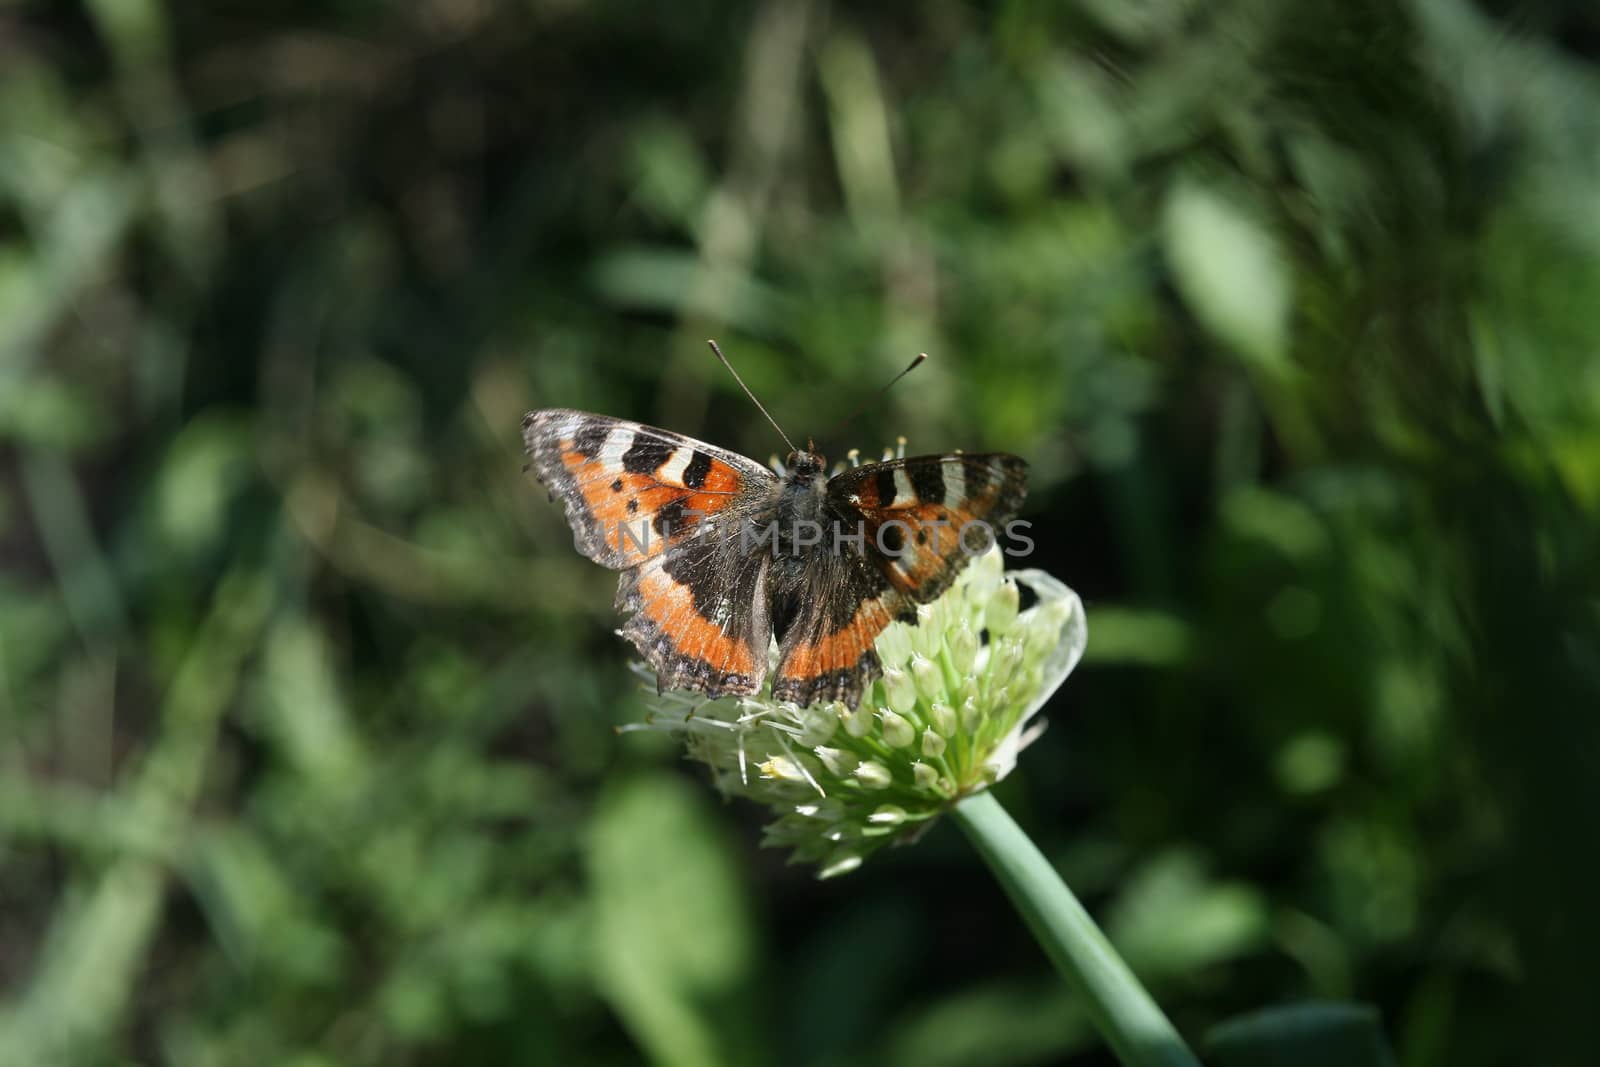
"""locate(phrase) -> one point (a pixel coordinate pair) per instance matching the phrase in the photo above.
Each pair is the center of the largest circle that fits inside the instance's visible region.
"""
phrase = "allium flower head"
(948, 718)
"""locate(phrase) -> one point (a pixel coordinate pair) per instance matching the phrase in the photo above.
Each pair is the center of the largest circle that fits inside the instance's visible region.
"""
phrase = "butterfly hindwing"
(826, 651)
(912, 513)
(698, 615)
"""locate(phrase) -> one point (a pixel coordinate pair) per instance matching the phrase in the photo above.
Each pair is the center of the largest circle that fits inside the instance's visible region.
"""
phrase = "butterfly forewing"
(928, 514)
(630, 490)
(666, 510)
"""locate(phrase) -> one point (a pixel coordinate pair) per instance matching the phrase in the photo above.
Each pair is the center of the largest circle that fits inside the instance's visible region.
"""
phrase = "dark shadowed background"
(307, 705)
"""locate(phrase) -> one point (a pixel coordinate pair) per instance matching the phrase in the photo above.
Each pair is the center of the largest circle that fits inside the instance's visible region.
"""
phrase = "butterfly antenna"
(751, 395)
(859, 408)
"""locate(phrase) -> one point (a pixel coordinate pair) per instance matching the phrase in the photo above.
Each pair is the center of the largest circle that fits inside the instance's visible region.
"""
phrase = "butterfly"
(720, 554)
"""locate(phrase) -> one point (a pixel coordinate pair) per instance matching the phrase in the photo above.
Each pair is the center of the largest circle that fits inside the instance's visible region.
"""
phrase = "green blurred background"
(307, 706)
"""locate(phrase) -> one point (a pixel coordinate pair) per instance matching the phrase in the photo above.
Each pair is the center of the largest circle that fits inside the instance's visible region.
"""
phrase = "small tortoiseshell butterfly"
(720, 554)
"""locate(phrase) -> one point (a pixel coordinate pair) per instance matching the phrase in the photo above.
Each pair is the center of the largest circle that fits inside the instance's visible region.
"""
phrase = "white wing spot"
(955, 485)
(618, 441)
(903, 492)
(672, 471)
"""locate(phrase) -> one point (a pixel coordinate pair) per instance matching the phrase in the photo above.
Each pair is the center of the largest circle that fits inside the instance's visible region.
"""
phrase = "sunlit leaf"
(672, 930)
(1231, 272)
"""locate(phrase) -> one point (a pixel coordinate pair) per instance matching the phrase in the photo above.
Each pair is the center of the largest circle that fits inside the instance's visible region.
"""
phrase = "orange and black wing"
(631, 490)
(931, 514)
(919, 520)
(667, 511)
(825, 644)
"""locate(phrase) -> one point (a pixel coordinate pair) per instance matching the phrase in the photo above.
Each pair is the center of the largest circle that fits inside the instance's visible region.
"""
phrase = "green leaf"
(1301, 1035)
(303, 709)
(673, 940)
(1138, 636)
(1231, 273)
(257, 912)
(1173, 919)
(650, 278)
(199, 480)
(998, 1023)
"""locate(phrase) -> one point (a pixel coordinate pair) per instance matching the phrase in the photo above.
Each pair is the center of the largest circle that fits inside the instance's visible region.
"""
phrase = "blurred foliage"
(1311, 1034)
(307, 704)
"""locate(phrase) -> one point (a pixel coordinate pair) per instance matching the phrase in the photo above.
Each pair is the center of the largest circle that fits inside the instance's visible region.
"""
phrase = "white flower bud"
(985, 572)
(873, 775)
(894, 645)
(1001, 612)
(942, 718)
(963, 646)
(858, 723)
(899, 690)
(897, 732)
(818, 723)
(932, 744)
(929, 679)
(1044, 629)
(927, 635)
(833, 759)
(888, 815)
(1007, 654)
(969, 688)
(842, 862)
(925, 775)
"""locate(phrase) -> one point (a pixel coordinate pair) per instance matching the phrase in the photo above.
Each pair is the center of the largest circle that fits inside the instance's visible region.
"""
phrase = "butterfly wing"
(912, 513)
(632, 490)
(918, 508)
(667, 511)
(825, 645)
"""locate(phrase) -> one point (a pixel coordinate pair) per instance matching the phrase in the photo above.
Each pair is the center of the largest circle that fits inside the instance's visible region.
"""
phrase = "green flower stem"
(1120, 1008)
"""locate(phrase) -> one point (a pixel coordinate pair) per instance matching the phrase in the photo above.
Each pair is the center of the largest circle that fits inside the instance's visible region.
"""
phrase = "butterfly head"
(804, 466)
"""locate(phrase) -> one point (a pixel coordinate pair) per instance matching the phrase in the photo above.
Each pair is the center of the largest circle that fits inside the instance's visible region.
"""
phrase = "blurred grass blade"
(96, 945)
(88, 585)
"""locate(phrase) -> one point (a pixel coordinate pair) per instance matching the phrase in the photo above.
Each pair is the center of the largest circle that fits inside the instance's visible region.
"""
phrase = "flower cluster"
(953, 708)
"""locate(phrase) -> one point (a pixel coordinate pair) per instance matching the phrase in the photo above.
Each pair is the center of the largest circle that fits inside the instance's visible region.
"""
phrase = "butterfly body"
(719, 554)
